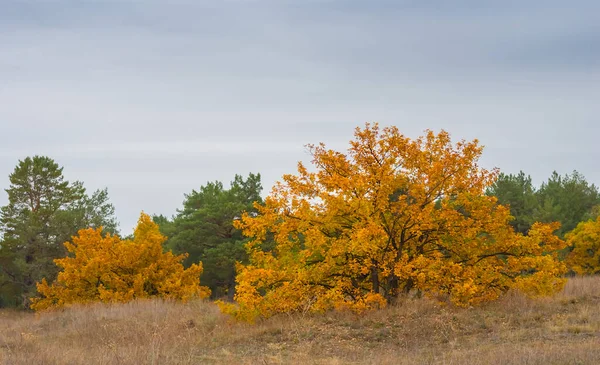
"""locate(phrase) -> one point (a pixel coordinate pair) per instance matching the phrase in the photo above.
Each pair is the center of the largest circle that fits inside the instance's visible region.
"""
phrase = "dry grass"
(564, 329)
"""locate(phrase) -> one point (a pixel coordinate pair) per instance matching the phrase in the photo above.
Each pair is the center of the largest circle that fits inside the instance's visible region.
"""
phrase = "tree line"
(568, 199)
(391, 216)
(44, 211)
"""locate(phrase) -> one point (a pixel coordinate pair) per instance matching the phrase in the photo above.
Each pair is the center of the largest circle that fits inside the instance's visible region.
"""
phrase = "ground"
(564, 329)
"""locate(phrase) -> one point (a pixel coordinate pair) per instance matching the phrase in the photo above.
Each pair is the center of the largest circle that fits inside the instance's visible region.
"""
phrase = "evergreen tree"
(567, 199)
(204, 229)
(44, 210)
(518, 193)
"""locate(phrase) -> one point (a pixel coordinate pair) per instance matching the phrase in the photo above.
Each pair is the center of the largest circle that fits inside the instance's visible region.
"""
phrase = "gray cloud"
(153, 99)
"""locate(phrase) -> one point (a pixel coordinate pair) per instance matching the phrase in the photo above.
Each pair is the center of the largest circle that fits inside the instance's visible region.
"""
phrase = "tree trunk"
(409, 285)
(231, 292)
(392, 292)
(375, 278)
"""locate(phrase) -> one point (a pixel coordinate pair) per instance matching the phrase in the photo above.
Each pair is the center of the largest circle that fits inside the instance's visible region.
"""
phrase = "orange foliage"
(108, 269)
(392, 215)
(584, 258)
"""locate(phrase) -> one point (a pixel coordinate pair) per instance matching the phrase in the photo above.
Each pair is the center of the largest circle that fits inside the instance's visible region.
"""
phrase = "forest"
(356, 231)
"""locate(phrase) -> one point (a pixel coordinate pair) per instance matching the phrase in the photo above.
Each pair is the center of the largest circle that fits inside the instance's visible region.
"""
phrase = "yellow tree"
(108, 269)
(584, 241)
(392, 215)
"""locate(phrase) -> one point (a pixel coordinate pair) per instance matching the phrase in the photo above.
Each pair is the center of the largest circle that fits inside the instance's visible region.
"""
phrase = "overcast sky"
(152, 99)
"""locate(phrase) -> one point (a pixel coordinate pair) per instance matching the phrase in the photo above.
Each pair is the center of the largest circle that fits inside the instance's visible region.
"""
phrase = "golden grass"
(564, 329)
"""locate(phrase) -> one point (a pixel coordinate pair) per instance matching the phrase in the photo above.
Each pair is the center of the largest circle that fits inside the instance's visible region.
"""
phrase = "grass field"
(564, 329)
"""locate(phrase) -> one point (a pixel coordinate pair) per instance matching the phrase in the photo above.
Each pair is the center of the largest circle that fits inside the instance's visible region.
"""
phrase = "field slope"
(564, 329)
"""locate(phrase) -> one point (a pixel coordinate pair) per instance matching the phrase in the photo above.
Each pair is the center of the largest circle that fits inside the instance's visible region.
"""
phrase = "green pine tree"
(44, 210)
(204, 229)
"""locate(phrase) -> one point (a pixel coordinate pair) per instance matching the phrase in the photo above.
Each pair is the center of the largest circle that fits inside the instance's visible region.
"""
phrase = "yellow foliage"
(392, 215)
(585, 243)
(108, 269)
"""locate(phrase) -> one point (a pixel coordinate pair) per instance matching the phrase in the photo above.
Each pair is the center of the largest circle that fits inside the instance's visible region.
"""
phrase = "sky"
(152, 99)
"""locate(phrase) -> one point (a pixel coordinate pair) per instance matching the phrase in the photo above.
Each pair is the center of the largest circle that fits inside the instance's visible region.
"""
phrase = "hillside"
(564, 329)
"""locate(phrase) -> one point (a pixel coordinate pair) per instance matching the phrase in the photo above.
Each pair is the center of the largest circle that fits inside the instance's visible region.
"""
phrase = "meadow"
(563, 329)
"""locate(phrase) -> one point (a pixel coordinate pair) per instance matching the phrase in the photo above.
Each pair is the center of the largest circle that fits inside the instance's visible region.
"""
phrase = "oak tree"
(390, 216)
(105, 268)
(584, 242)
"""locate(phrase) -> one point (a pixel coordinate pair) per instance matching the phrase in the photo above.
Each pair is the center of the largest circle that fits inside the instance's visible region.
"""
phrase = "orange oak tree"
(392, 215)
(584, 241)
(108, 269)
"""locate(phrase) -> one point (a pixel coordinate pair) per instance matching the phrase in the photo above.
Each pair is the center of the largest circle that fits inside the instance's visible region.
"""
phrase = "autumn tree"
(584, 242)
(105, 268)
(391, 216)
(43, 211)
(204, 229)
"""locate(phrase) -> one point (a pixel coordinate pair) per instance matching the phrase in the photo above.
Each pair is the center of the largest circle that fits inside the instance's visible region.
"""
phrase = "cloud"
(153, 99)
